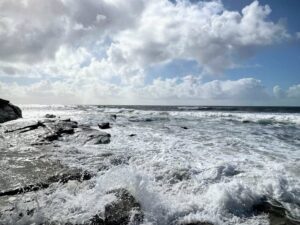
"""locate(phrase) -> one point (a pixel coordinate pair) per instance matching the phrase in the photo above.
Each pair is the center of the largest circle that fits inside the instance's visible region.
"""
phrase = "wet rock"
(196, 223)
(276, 212)
(50, 116)
(56, 129)
(9, 111)
(76, 175)
(104, 125)
(113, 116)
(97, 137)
(27, 128)
(96, 220)
(246, 121)
(124, 210)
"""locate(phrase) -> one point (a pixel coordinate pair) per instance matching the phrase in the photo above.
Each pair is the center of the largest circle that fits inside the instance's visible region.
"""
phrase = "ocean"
(180, 163)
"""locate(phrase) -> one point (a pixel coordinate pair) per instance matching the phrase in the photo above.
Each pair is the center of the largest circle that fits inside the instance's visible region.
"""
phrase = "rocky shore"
(47, 134)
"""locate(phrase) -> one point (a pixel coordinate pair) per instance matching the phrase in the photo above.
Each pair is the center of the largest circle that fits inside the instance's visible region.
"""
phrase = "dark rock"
(124, 210)
(276, 212)
(76, 175)
(58, 128)
(97, 137)
(246, 121)
(185, 128)
(196, 223)
(9, 111)
(132, 135)
(96, 220)
(27, 128)
(50, 116)
(104, 126)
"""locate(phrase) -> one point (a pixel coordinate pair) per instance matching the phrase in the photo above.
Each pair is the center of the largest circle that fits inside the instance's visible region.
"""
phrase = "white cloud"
(278, 92)
(291, 96)
(160, 91)
(140, 33)
(101, 49)
(294, 92)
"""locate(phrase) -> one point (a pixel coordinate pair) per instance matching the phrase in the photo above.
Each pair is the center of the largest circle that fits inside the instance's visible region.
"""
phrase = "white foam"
(213, 171)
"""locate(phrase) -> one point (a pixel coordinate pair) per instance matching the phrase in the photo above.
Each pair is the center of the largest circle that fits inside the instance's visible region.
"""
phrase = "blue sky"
(227, 52)
(279, 64)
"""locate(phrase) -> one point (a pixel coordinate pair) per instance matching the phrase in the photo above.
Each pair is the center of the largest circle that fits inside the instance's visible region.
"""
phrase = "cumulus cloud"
(102, 49)
(291, 95)
(138, 33)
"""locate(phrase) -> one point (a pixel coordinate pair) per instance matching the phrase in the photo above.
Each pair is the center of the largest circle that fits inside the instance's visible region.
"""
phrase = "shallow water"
(181, 164)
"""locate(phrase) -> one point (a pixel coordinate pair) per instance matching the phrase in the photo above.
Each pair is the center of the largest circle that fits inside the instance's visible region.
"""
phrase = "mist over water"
(180, 163)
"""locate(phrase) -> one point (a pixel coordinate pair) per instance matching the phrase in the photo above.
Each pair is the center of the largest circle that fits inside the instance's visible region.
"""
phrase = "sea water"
(180, 163)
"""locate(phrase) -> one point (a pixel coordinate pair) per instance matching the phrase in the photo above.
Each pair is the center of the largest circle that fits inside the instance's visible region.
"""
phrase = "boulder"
(9, 111)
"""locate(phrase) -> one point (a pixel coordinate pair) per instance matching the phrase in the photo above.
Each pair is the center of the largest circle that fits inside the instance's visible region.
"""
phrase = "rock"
(97, 137)
(113, 116)
(132, 135)
(76, 175)
(9, 111)
(58, 128)
(50, 116)
(276, 212)
(185, 128)
(246, 121)
(123, 211)
(27, 128)
(104, 126)
(196, 223)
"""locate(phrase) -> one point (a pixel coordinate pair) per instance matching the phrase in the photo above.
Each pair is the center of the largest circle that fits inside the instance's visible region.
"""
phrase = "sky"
(158, 52)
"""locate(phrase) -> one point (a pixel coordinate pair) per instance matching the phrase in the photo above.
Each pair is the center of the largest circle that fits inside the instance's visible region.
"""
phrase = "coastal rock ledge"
(9, 111)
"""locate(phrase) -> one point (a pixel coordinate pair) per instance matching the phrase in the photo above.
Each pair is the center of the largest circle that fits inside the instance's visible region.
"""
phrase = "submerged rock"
(113, 116)
(276, 212)
(9, 111)
(104, 125)
(50, 116)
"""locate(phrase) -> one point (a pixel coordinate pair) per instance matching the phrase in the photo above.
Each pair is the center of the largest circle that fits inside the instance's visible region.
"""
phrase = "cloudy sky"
(228, 52)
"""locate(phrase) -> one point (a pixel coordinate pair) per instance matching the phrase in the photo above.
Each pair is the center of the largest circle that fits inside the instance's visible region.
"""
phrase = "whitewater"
(181, 165)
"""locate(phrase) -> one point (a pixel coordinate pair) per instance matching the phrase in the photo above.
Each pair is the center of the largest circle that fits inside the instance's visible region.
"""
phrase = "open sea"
(180, 163)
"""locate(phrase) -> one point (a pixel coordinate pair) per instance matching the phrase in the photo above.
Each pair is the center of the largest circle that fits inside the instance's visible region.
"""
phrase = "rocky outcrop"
(9, 111)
